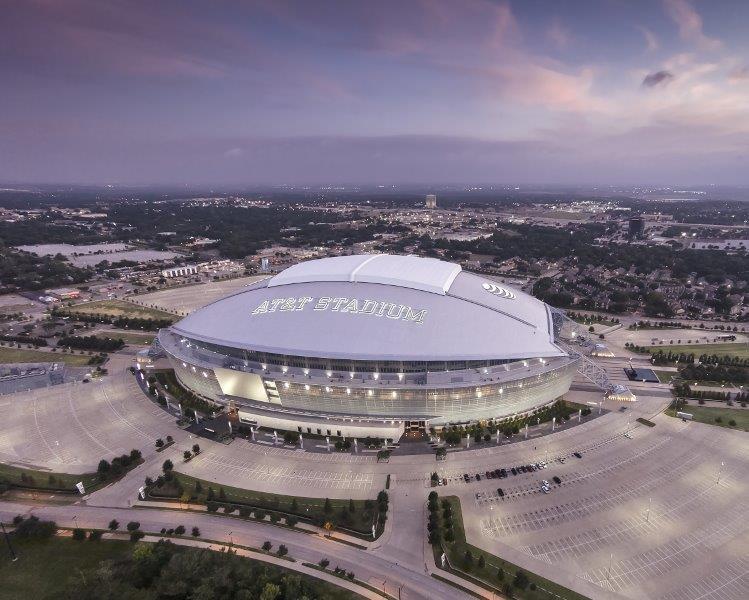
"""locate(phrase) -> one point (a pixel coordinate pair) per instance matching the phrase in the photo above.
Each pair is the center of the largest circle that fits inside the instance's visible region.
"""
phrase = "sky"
(393, 91)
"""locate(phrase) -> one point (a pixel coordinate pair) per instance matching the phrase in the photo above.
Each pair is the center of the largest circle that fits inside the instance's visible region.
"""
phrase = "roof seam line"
(352, 275)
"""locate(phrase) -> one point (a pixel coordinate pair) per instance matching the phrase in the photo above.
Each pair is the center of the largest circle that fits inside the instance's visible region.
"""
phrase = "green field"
(117, 308)
(21, 355)
(46, 569)
(456, 550)
(707, 414)
(726, 349)
(128, 337)
(665, 376)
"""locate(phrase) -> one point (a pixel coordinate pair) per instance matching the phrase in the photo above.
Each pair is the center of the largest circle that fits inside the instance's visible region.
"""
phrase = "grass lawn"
(313, 508)
(666, 376)
(45, 568)
(740, 349)
(127, 337)
(456, 550)
(21, 355)
(46, 479)
(117, 308)
(707, 414)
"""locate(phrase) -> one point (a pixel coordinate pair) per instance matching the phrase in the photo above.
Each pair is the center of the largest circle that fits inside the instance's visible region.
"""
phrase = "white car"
(545, 489)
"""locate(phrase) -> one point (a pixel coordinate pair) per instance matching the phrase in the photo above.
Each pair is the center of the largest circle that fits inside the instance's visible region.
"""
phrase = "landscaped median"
(447, 535)
(47, 481)
(353, 517)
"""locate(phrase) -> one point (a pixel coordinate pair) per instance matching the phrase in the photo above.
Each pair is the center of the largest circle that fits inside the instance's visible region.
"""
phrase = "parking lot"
(642, 512)
(640, 515)
(184, 300)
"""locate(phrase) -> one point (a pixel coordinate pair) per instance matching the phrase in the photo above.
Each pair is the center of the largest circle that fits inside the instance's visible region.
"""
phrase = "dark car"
(513, 471)
(557, 480)
(489, 475)
(466, 477)
(478, 477)
(501, 492)
(578, 455)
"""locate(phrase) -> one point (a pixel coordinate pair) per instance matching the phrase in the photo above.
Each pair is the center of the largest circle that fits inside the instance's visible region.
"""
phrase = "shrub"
(211, 506)
(113, 525)
(324, 563)
(133, 525)
(259, 514)
(136, 535)
(95, 535)
(179, 530)
(291, 521)
(521, 580)
(732, 423)
(282, 550)
(79, 534)
(267, 546)
(195, 532)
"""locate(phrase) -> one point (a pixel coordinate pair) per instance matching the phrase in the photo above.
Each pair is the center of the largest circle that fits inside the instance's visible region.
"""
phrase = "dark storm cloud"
(658, 78)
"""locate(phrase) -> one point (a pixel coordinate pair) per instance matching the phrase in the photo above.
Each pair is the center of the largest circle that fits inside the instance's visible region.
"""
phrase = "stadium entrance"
(415, 426)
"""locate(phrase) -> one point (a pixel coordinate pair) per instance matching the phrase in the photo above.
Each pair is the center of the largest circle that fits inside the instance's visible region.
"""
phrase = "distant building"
(64, 293)
(179, 271)
(636, 227)
(264, 264)
(431, 201)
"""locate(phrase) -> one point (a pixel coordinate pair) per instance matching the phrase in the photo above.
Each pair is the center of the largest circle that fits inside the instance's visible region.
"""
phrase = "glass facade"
(478, 392)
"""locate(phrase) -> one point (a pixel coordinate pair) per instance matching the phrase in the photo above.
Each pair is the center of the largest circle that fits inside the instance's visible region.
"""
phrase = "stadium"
(372, 345)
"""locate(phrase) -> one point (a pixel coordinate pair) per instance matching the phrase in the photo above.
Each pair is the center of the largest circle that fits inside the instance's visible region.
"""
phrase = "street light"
(231, 540)
(13, 556)
(720, 471)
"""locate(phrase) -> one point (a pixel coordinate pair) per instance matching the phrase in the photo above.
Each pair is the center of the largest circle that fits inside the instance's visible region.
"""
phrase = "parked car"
(501, 492)
(578, 455)
(557, 480)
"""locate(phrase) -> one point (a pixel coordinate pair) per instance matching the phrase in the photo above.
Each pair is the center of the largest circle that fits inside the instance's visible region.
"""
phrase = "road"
(380, 568)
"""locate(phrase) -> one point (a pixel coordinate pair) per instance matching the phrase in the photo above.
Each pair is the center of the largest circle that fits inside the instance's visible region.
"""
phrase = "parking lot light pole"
(720, 471)
(13, 556)
(647, 518)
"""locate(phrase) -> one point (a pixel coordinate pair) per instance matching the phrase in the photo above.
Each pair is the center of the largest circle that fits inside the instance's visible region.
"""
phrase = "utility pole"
(13, 556)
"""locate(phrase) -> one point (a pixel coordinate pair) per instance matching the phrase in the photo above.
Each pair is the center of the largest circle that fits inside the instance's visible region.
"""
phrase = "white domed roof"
(378, 307)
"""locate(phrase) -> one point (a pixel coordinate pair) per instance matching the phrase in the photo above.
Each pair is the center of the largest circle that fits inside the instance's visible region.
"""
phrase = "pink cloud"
(689, 22)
